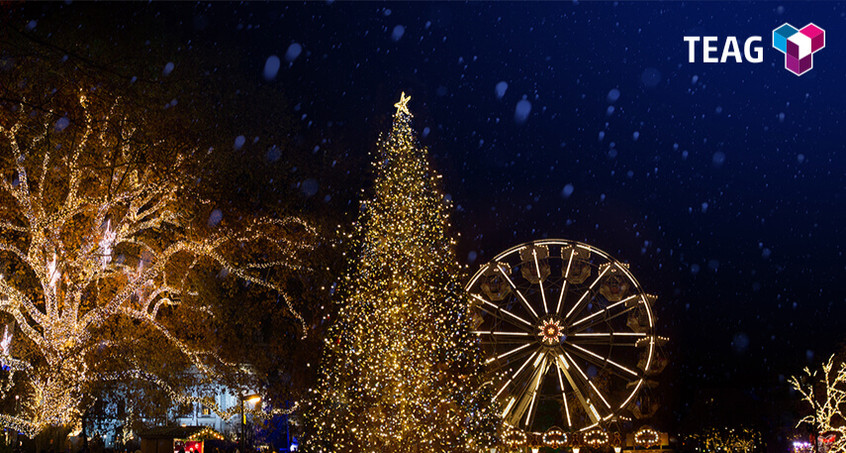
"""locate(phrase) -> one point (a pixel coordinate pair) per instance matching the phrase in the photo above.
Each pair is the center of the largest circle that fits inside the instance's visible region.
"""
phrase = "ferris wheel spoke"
(505, 363)
(507, 353)
(516, 373)
(564, 285)
(587, 325)
(494, 311)
(498, 337)
(521, 379)
(495, 333)
(589, 408)
(540, 280)
(606, 338)
(526, 404)
(598, 360)
(530, 414)
(604, 310)
(577, 307)
(603, 343)
(518, 292)
(502, 341)
(592, 386)
(563, 396)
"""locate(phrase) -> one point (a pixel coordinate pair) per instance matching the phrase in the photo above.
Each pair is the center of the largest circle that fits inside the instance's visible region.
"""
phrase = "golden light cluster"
(554, 438)
(727, 440)
(595, 437)
(206, 433)
(647, 437)
(514, 438)
(94, 244)
(401, 370)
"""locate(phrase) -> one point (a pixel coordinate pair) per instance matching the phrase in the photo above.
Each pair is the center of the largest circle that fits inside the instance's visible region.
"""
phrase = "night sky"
(721, 184)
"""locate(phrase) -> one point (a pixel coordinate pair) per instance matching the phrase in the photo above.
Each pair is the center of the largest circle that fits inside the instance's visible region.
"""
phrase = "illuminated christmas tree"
(401, 371)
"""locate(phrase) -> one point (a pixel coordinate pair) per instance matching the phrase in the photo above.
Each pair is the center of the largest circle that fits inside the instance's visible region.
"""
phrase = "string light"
(92, 244)
(595, 437)
(514, 438)
(206, 433)
(402, 369)
(647, 437)
(554, 438)
(726, 440)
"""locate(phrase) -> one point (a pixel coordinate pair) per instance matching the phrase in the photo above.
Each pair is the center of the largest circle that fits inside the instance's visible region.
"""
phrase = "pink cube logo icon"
(798, 46)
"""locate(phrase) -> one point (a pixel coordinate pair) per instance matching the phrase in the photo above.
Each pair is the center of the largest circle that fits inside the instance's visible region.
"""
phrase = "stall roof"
(170, 432)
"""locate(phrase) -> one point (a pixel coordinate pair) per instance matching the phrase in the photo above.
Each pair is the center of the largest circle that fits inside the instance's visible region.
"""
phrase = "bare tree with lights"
(402, 370)
(103, 259)
(825, 391)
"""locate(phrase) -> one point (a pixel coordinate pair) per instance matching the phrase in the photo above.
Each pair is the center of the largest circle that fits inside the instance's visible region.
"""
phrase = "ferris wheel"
(568, 335)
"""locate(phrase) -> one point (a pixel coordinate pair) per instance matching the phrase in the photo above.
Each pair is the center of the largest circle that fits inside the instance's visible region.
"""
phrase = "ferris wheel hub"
(551, 332)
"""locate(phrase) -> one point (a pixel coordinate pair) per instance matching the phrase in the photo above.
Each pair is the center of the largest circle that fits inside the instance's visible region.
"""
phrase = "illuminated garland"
(206, 433)
(514, 438)
(595, 437)
(657, 339)
(96, 243)
(647, 437)
(554, 438)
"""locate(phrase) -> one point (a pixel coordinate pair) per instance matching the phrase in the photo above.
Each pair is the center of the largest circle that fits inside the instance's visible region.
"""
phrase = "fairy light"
(63, 222)
(554, 438)
(595, 437)
(514, 438)
(647, 437)
(206, 433)
(726, 440)
(402, 369)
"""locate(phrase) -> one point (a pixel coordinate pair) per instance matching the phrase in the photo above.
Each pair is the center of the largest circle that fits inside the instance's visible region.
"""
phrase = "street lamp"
(252, 399)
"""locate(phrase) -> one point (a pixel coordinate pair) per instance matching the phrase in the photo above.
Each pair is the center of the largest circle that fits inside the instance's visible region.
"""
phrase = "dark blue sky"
(721, 184)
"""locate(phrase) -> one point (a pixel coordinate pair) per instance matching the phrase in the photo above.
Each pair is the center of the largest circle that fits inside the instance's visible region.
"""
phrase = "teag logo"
(798, 46)
(752, 52)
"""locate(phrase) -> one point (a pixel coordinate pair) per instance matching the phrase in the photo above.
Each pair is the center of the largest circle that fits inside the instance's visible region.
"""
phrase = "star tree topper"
(402, 106)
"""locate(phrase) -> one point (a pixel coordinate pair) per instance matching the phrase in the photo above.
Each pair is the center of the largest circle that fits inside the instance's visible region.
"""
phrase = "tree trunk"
(53, 440)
